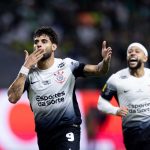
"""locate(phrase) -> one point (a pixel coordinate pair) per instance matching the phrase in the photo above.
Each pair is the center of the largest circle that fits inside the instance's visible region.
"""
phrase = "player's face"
(135, 58)
(43, 42)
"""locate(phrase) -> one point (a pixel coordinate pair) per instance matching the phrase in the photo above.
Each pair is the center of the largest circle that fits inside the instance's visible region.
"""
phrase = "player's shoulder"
(122, 74)
(71, 62)
(68, 60)
(59, 63)
(65, 60)
(147, 70)
(62, 62)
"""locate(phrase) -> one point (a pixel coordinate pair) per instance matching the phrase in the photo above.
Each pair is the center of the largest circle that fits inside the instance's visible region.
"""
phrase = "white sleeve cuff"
(106, 107)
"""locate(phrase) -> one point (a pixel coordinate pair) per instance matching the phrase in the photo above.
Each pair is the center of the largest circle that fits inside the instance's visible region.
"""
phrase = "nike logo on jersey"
(125, 91)
(32, 82)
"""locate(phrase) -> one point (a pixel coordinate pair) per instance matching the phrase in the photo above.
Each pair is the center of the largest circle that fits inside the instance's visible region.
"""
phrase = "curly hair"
(47, 31)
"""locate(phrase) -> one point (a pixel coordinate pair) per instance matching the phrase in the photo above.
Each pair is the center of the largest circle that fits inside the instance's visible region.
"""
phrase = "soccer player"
(50, 85)
(131, 88)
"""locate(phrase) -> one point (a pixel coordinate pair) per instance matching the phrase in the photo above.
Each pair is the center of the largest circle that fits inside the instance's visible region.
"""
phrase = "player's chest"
(134, 87)
(54, 80)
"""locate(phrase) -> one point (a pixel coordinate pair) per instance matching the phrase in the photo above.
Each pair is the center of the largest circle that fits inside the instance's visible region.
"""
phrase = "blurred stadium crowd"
(82, 25)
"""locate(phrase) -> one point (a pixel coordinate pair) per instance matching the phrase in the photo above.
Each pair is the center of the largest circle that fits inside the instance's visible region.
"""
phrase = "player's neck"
(43, 65)
(137, 72)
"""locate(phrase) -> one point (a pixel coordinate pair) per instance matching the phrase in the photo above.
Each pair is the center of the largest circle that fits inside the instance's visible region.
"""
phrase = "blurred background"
(82, 25)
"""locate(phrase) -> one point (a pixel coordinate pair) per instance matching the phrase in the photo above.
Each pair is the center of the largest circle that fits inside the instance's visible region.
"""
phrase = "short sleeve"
(76, 67)
(109, 90)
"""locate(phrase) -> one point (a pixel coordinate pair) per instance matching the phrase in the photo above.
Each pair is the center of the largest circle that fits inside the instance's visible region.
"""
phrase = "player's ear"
(54, 47)
(145, 59)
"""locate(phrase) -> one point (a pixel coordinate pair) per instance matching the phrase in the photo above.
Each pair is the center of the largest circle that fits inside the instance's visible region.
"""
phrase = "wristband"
(24, 70)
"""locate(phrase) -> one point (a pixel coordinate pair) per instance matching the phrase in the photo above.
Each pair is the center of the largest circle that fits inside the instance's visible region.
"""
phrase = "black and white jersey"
(133, 93)
(51, 94)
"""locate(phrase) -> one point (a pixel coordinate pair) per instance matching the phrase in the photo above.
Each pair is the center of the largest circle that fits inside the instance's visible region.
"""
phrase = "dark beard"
(46, 56)
(139, 64)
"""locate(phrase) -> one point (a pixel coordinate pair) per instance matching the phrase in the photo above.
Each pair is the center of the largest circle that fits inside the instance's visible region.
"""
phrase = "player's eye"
(36, 41)
(44, 41)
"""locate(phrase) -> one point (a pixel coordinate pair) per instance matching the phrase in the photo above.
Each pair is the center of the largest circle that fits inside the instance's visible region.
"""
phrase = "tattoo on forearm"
(99, 66)
(17, 90)
(17, 87)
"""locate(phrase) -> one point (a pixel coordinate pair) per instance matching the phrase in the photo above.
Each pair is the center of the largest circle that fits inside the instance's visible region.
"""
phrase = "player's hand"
(122, 111)
(33, 58)
(106, 52)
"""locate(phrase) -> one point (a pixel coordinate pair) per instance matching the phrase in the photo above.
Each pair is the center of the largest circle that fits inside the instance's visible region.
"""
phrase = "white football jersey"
(51, 94)
(133, 93)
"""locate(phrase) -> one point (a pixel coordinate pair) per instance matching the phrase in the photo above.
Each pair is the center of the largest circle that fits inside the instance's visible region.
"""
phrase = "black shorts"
(140, 145)
(137, 137)
(62, 138)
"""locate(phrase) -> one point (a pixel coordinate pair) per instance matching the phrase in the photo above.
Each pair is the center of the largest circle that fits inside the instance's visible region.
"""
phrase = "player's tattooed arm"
(16, 89)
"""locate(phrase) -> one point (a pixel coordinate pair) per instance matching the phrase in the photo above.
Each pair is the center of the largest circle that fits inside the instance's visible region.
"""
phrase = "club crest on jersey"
(59, 76)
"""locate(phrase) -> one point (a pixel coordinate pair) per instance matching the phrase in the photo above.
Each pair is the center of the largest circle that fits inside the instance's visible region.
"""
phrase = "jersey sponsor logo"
(123, 77)
(61, 65)
(59, 77)
(50, 99)
(139, 90)
(139, 108)
(46, 82)
(43, 82)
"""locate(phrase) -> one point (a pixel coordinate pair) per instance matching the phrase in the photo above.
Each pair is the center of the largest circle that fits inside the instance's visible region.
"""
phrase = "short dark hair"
(47, 31)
